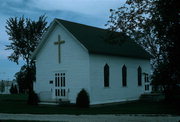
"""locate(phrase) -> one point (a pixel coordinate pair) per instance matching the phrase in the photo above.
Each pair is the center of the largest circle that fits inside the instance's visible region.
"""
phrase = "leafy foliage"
(134, 19)
(82, 99)
(167, 24)
(22, 77)
(154, 24)
(25, 35)
(161, 75)
(13, 89)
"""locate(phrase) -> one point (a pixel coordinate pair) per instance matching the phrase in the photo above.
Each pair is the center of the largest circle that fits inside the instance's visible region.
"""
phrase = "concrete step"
(57, 102)
(48, 103)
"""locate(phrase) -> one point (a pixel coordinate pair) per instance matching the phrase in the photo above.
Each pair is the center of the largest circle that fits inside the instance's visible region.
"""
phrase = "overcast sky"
(90, 12)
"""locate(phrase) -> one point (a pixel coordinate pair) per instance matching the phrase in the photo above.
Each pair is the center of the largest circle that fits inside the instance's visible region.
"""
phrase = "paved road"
(91, 118)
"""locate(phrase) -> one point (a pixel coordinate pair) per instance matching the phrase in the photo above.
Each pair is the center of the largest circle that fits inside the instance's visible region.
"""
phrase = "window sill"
(106, 87)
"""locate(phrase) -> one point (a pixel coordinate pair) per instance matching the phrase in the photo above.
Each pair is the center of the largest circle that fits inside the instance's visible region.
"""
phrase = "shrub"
(33, 98)
(82, 99)
(13, 89)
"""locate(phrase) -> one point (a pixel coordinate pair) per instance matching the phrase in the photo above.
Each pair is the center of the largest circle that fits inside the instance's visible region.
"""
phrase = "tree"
(24, 35)
(12, 89)
(22, 78)
(154, 24)
(134, 19)
(15, 89)
(167, 24)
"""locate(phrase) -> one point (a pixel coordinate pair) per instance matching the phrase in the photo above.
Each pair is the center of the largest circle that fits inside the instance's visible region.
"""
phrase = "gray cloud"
(90, 12)
(13, 7)
(92, 8)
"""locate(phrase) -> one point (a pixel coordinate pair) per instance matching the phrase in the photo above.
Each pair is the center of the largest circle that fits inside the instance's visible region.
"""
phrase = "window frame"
(139, 76)
(106, 75)
(124, 75)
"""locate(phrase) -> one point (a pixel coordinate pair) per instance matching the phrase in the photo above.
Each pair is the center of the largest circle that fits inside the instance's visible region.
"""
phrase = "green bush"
(33, 98)
(82, 99)
(13, 89)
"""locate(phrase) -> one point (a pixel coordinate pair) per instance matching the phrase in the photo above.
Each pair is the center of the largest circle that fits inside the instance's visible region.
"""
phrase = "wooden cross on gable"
(59, 42)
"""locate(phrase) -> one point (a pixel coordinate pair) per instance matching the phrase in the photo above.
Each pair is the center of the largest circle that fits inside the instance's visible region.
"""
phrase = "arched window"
(139, 76)
(124, 75)
(106, 75)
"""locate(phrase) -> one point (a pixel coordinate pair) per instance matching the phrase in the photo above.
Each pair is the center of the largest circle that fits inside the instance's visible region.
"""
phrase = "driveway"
(92, 118)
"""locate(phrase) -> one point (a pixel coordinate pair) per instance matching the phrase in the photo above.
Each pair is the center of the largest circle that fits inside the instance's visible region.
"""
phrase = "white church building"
(73, 56)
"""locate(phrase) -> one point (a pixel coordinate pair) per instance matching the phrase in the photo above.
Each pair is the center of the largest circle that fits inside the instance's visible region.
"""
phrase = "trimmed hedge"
(82, 99)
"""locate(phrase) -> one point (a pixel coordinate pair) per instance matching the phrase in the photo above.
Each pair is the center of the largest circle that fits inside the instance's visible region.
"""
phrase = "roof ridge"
(82, 24)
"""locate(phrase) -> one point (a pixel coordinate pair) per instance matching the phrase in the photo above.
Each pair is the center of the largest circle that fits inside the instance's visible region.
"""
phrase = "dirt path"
(91, 118)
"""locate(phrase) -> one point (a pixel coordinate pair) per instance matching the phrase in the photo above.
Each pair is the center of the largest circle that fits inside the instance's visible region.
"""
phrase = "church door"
(60, 85)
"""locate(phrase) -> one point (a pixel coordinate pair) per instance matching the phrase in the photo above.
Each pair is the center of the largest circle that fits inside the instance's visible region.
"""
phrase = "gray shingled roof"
(97, 40)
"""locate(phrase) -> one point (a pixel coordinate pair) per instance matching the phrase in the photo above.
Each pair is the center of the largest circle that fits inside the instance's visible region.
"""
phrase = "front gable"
(53, 30)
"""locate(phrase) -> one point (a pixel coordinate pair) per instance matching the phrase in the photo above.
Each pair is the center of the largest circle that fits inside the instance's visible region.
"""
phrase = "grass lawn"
(17, 104)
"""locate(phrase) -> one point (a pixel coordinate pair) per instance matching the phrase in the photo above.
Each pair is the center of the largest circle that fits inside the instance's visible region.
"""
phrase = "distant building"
(5, 86)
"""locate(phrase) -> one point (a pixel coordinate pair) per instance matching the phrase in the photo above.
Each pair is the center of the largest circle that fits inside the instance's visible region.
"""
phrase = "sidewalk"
(91, 118)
